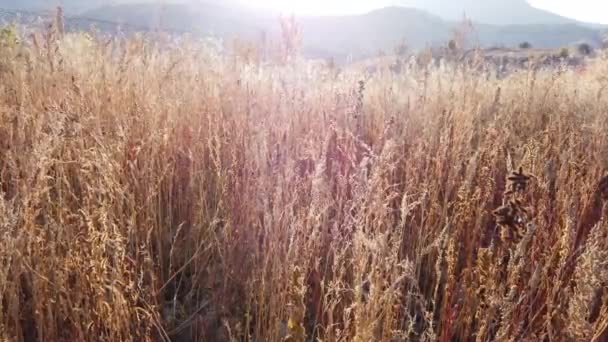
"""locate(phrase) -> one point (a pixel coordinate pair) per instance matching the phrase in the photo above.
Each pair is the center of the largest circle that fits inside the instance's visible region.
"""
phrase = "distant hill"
(540, 36)
(495, 12)
(338, 36)
(73, 6)
(380, 30)
(218, 20)
(359, 36)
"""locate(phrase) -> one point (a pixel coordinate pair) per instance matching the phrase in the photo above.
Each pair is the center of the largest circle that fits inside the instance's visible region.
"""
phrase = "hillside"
(218, 20)
(339, 36)
(359, 36)
(366, 35)
(493, 12)
(71, 6)
(542, 36)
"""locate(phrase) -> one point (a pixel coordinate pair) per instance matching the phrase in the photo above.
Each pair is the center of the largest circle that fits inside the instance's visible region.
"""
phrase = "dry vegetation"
(159, 191)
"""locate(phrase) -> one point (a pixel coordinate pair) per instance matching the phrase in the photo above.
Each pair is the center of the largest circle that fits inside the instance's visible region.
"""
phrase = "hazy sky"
(584, 10)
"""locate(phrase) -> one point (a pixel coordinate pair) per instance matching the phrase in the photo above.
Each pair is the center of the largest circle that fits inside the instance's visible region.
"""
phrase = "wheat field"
(160, 191)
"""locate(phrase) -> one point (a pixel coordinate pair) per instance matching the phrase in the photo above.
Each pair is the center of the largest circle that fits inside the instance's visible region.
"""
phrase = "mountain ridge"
(361, 35)
(492, 12)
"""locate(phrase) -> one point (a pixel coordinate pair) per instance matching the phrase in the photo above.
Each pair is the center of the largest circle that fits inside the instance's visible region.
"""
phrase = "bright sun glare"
(321, 7)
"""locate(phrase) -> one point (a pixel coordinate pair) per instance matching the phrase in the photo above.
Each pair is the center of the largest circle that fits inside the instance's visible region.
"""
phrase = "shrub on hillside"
(584, 49)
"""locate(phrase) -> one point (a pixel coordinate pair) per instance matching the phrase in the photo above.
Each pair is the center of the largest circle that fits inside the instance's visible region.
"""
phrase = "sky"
(595, 11)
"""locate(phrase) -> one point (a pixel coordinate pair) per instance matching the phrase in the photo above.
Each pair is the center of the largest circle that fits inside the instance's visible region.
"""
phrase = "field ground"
(173, 194)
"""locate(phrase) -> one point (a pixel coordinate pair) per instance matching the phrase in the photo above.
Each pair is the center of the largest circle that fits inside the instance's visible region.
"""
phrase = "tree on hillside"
(525, 45)
(584, 49)
(452, 45)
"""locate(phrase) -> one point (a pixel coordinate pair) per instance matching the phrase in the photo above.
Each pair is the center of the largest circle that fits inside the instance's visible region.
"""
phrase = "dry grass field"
(156, 192)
